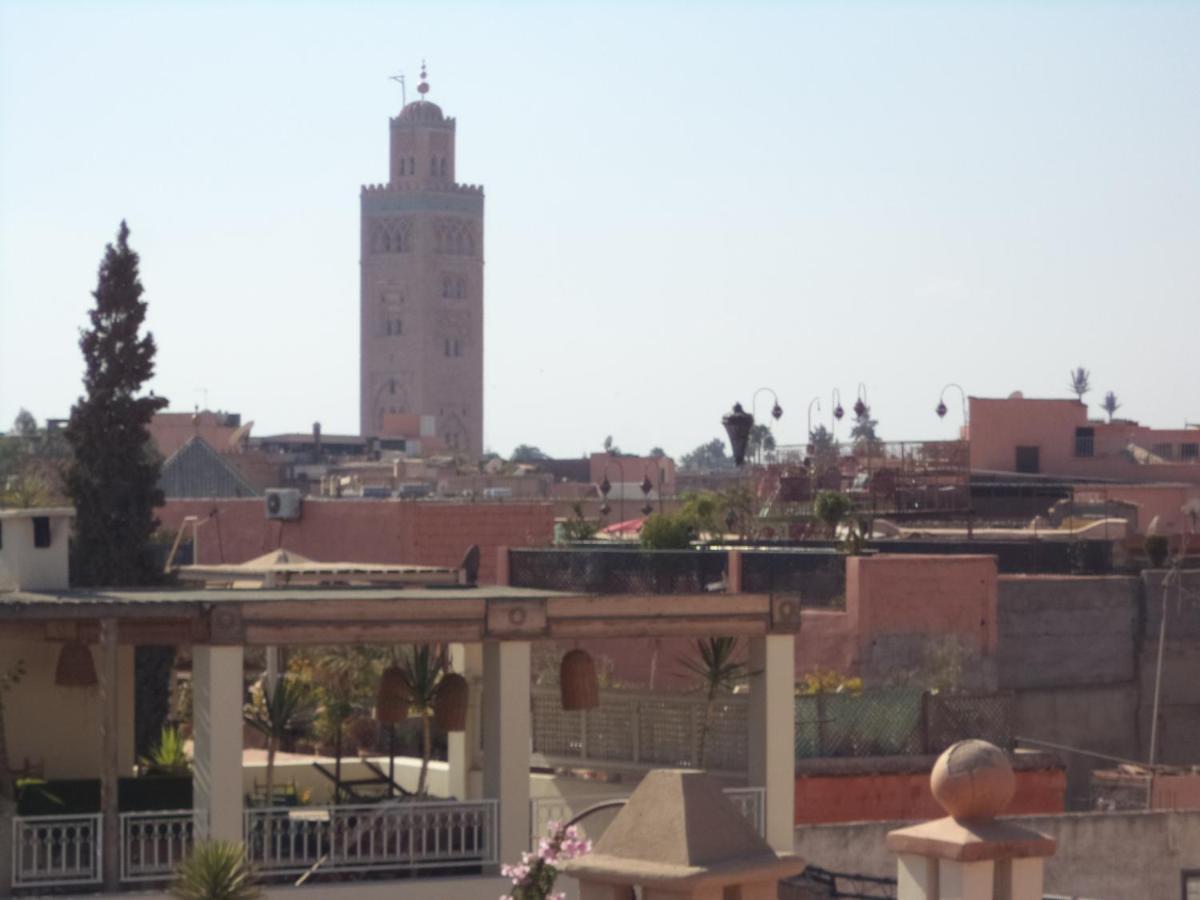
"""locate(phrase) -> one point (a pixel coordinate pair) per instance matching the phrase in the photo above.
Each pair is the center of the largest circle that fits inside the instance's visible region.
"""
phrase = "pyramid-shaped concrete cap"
(679, 825)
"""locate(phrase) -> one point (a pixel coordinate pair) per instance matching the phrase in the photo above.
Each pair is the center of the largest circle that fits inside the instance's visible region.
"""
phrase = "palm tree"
(1110, 404)
(422, 668)
(719, 674)
(216, 870)
(277, 712)
(1081, 382)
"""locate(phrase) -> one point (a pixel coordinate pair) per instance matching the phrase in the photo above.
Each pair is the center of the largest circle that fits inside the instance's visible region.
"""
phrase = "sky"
(686, 202)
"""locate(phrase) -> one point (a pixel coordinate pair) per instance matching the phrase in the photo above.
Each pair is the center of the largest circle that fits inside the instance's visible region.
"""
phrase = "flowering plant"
(533, 877)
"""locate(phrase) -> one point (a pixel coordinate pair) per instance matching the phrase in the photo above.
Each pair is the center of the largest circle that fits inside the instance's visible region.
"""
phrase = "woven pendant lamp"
(393, 699)
(577, 680)
(450, 703)
(75, 666)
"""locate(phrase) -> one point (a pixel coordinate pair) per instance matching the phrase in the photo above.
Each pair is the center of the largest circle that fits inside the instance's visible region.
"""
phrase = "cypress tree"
(113, 476)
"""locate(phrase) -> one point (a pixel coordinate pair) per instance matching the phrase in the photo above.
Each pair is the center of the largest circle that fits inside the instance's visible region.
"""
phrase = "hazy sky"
(685, 202)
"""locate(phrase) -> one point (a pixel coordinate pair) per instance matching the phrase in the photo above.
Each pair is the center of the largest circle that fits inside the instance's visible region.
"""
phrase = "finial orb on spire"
(423, 87)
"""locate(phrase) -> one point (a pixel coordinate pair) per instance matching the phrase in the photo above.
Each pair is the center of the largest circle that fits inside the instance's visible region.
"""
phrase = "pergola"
(491, 628)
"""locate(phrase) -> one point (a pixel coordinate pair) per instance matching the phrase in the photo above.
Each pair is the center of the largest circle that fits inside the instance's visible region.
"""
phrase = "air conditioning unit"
(283, 503)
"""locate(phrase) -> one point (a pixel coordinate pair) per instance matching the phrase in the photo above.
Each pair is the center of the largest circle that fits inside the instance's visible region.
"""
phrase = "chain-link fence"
(817, 577)
(644, 728)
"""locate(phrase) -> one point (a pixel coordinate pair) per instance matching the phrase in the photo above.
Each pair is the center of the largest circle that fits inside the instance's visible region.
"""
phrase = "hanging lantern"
(605, 509)
(393, 699)
(647, 508)
(941, 410)
(647, 485)
(75, 666)
(450, 703)
(838, 412)
(776, 412)
(737, 426)
(577, 679)
(860, 408)
(605, 485)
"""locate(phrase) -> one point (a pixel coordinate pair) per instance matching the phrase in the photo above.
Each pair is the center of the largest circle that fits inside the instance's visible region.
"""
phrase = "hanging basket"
(392, 701)
(75, 666)
(450, 703)
(577, 679)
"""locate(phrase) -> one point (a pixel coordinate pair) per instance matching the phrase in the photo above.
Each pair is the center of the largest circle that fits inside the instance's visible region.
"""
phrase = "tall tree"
(707, 456)
(527, 453)
(1081, 382)
(113, 477)
(761, 441)
(1111, 405)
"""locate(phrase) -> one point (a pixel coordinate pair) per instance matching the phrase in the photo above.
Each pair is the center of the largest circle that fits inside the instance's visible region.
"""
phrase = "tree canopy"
(113, 477)
(707, 456)
(527, 453)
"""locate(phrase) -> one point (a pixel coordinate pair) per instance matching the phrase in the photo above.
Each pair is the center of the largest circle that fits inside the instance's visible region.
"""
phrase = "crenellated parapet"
(424, 187)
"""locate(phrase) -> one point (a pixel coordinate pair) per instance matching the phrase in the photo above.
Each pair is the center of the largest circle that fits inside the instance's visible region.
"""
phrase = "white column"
(507, 743)
(217, 698)
(463, 747)
(966, 880)
(916, 877)
(772, 763)
(1020, 879)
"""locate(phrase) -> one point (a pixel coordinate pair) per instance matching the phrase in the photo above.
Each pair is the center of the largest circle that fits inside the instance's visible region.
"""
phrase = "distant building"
(197, 470)
(421, 314)
(1055, 437)
(222, 431)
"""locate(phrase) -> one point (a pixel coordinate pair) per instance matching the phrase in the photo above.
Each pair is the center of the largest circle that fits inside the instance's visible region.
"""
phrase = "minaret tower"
(421, 313)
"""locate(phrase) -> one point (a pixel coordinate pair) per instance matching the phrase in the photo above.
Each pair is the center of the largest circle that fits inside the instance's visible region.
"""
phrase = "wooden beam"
(363, 610)
(376, 632)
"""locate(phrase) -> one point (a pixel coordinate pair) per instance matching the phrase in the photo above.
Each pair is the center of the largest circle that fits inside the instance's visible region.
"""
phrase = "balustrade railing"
(375, 837)
(154, 843)
(52, 851)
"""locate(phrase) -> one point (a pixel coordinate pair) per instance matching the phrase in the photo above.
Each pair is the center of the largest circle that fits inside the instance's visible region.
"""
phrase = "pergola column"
(217, 699)
(507, 741)
(772, 762)
(463, 747)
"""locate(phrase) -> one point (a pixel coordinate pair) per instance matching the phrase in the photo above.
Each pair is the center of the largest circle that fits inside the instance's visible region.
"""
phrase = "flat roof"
(49, 512)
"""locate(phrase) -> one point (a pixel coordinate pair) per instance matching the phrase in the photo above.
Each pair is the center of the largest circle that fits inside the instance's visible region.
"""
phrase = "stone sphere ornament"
(973, 780)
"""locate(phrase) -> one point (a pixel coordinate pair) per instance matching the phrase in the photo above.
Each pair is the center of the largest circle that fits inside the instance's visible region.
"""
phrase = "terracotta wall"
(881, 796)
(999, 426)
(1163, 500)
(383, 531)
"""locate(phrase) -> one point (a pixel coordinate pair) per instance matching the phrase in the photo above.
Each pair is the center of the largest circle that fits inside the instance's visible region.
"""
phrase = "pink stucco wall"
(886, 595)
(1163, 500)
(382, 531)
(999, 426)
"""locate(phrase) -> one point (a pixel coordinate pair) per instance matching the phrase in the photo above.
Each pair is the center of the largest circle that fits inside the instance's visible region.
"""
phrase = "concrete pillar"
(772, 762)
(507, 730)
(217, 699)
(916, 877)
(464, 750)
(966, 880)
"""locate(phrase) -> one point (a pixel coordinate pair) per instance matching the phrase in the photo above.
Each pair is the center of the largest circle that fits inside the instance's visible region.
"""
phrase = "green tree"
(422, 669)
(1111, 405)
(831, 507)
(657, 452)
(610, 448)
(821, 442)
(30, 462)
(527, 453)
(1081, 382)
(113, 477)
(276, 713)
(719, 673)
(761, 442)
(707, 456)
(25, 424)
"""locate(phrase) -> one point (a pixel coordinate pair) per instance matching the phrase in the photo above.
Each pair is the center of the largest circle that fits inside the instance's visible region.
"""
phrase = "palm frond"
(216, 870)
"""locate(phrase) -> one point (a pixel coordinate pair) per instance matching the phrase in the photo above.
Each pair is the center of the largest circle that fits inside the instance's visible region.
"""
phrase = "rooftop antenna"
(403, 89)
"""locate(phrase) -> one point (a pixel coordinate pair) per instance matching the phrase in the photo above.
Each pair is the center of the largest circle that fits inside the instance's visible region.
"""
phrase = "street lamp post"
(816, 401)
(941, 407)
(606, 486)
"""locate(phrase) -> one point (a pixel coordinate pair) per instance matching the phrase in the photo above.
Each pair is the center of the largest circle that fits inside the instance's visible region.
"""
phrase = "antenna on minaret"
(403, 90)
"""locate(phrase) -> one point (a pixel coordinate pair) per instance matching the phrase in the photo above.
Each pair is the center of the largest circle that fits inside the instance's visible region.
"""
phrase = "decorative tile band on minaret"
(421, 304)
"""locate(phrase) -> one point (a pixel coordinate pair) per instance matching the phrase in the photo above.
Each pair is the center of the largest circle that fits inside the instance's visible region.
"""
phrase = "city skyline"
(685, 206)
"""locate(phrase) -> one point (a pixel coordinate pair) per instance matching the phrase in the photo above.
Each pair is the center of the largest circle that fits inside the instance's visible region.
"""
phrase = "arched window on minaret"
(443, 165)
(433, 165)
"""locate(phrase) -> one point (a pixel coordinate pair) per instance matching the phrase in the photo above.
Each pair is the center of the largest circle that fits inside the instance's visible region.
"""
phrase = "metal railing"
(618, 570)
(375, 837)
(641, 728)
(52, 851)
(154, 843)
(544, 810)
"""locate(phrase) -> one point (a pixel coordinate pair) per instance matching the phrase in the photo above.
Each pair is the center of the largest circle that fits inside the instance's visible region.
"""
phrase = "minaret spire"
(423, 87)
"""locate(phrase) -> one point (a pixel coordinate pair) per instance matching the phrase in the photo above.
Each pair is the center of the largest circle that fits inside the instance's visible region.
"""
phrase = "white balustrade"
(56, 850)
(373, 837)
(154, 843)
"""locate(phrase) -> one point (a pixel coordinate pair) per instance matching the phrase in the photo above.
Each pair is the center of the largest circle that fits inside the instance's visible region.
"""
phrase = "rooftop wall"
(382, 531)
(1117, 856)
